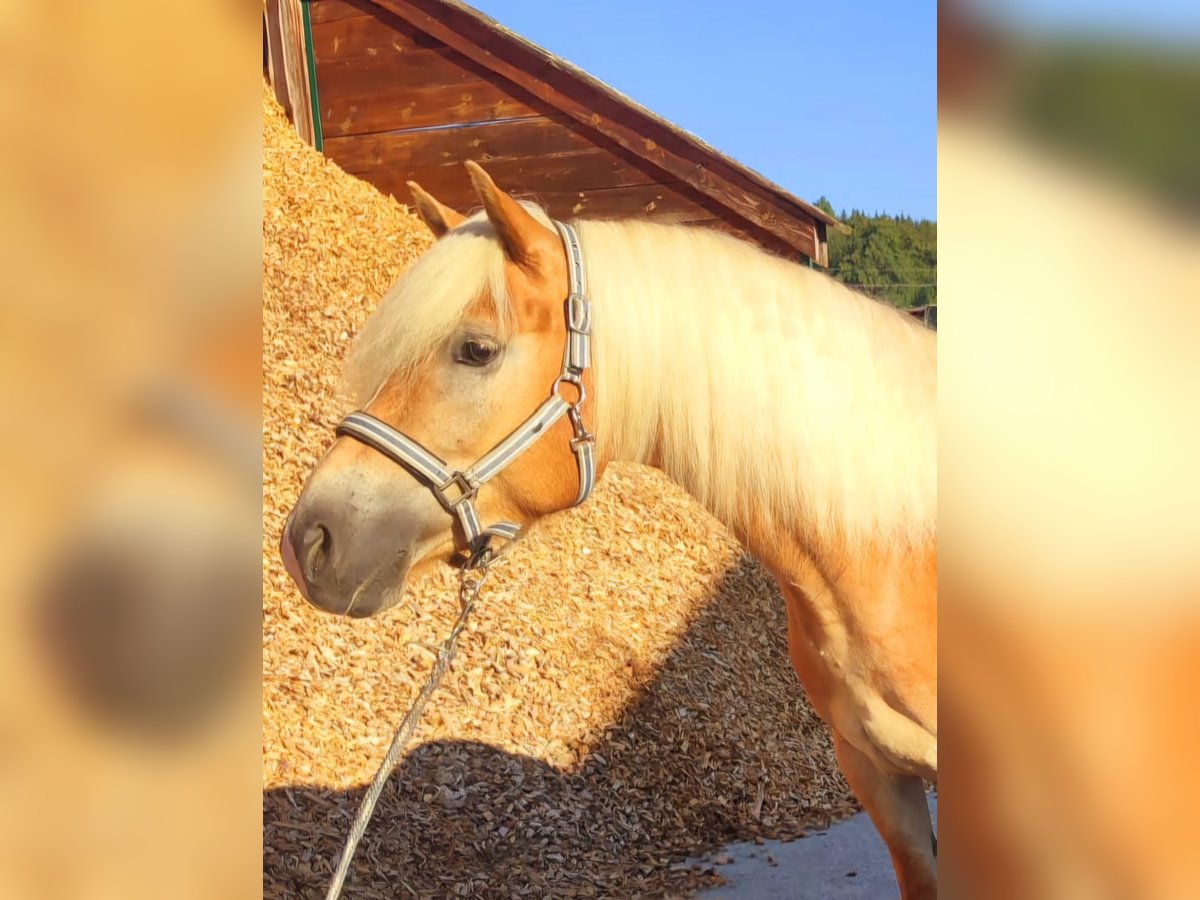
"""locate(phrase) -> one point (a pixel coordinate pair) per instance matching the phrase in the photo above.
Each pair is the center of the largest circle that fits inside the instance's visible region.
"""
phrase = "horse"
(800, 413)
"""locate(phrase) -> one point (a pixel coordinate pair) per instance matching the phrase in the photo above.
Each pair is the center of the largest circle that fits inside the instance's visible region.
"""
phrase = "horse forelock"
(459, 271)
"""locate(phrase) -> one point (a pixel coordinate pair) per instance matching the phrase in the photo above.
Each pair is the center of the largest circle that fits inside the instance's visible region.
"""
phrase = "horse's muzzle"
(344, 570)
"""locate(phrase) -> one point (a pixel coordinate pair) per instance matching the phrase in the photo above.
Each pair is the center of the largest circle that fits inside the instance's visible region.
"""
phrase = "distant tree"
(893, 258)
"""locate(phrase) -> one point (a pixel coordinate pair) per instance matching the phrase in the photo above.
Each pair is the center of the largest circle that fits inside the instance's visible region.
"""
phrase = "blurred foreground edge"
(1070, 505)
(130, 451)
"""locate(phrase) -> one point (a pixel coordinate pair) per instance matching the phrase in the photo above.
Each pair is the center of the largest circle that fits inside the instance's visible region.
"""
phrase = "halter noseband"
(456, 489)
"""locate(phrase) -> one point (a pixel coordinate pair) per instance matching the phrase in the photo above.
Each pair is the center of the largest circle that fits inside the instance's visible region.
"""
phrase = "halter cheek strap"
(456, 489)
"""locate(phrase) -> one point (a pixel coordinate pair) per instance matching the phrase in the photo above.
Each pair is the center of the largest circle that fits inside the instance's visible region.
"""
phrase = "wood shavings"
(622, 700)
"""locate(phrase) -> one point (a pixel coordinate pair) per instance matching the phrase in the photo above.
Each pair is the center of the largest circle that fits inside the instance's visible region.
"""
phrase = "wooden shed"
(394, 90)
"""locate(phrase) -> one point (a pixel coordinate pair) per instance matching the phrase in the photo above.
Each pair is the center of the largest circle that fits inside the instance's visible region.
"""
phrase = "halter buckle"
(466, 491)
(579, 314)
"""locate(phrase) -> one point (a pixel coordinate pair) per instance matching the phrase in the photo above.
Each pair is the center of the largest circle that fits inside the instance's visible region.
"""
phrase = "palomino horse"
(802, 414)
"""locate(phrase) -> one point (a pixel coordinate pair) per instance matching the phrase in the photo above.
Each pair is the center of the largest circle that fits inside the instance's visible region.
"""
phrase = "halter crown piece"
(456, 489)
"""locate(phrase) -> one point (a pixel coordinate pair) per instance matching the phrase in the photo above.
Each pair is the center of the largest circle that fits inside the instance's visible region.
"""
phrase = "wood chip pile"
(621, 701)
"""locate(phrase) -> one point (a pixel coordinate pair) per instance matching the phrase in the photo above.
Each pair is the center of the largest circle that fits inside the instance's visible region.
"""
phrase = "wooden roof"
(410, 89)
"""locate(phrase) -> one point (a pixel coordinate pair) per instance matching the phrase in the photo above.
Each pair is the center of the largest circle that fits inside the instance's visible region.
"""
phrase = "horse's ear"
(523, 236)
(439, 217)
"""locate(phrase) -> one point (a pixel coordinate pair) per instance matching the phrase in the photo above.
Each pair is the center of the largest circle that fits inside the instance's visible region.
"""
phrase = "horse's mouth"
(382, 589)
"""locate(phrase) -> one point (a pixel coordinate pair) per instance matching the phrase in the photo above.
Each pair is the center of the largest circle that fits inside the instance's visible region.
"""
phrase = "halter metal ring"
(466, 491)
(479, 556)
(572, 379)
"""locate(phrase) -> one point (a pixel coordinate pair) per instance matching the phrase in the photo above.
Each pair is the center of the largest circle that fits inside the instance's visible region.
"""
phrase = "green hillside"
(893, 258)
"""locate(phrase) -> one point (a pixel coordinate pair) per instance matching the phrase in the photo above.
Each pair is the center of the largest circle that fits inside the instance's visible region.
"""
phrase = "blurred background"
(130, 449)
(1069, 181)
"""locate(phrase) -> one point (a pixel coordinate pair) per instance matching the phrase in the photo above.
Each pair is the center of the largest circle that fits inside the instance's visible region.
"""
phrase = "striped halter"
(456, 489)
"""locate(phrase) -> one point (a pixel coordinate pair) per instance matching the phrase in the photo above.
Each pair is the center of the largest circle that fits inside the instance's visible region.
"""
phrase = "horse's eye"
(477, 352)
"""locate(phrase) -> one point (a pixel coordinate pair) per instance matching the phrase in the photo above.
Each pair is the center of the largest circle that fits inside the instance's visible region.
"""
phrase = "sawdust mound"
(622, 699)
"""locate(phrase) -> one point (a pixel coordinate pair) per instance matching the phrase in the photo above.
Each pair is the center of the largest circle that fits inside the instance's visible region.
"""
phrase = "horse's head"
(460, 352)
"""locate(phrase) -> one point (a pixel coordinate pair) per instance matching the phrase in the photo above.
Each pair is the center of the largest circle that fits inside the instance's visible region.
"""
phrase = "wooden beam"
(275, 72)
(287, 18)
(680, 156)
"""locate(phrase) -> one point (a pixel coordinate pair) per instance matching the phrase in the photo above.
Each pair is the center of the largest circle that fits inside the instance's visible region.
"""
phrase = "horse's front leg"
(897, 806)
(893, 798)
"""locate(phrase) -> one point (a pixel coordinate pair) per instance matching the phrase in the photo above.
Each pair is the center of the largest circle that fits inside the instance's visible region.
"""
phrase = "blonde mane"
(772, 393)
(426, 304)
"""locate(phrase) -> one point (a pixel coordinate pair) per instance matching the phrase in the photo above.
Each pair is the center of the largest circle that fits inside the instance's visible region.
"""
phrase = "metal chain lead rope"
(433, 472)
(470, 579)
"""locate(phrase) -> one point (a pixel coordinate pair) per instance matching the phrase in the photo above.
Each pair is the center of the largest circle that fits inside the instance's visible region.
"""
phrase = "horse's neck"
(769, 392)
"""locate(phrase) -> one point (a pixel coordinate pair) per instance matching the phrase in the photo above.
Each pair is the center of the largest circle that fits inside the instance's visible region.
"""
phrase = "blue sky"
(1169, 21)
(835, 98)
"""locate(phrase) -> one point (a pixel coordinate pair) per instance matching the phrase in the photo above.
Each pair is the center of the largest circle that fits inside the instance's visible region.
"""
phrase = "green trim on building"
(318, 136)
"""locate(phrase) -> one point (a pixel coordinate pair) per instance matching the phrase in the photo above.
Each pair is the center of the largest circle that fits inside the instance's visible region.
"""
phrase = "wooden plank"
(539, 157)
(589, 102)
(333, 10)
(405, 83)
(662, 203)
(582, 170)
(668, 204)
(408, 151)
(375, 38)
(390, 107)
(288, 17)
(416, 69)
(275, 72)
(382, 74)
(822, 257)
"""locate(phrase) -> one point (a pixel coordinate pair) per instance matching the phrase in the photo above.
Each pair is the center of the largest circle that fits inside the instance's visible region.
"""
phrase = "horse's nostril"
(314, 548)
